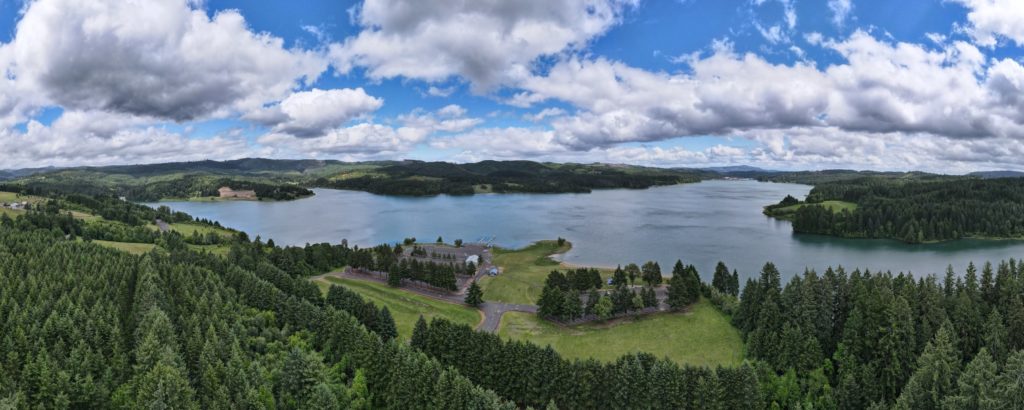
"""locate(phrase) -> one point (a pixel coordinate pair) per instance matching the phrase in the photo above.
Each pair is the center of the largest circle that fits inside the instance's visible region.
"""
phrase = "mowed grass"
(132, 248)
(702, 336)
(523, 272)
(405, 307)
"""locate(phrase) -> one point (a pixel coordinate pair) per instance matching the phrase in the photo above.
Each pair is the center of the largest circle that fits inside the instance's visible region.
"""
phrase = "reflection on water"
(698, 223)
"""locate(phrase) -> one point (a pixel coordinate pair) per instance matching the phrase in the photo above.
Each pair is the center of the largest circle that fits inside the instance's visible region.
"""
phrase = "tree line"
(917, 210)
(538, 376)
(864, 339)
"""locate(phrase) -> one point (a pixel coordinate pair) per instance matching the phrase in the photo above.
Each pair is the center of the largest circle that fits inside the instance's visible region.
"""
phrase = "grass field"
(219, 250)
(703, 336)
(133, 248)
(14, 197)
(787, 212)
(405, 307)
(523, 272)
(187, 229)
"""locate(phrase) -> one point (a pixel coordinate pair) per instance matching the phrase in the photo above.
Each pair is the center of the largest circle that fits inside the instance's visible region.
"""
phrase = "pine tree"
(419, 334)
(651, 273)
(937, 369)
(975, 389)
(995, 337)
(474, 296)
(721, 279)
(386, 325)
(1010, 385)
(897, 348)
(678, 294)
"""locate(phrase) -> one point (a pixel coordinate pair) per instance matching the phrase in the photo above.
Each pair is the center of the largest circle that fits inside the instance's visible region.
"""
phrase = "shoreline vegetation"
(291, 179)
(96, 326)
(916, 210)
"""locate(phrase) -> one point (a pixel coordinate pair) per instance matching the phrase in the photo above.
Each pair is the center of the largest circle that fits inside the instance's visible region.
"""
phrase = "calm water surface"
(699, 223)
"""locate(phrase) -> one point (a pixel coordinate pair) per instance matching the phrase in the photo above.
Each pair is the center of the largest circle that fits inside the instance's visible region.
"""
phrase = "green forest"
(291, 179)
(85, 326)
(911, 210)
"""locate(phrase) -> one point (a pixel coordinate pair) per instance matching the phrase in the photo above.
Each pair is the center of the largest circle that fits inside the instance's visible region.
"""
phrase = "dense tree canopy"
(917, 210)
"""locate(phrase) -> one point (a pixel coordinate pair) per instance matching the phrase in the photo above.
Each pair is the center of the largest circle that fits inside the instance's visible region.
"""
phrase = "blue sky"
(787, 84)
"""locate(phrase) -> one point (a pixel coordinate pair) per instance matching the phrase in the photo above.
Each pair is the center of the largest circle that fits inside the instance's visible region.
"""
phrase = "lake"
(699, 223)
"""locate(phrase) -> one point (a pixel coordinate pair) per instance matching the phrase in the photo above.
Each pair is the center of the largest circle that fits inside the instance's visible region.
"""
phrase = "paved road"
(164, 227)
(492, 310)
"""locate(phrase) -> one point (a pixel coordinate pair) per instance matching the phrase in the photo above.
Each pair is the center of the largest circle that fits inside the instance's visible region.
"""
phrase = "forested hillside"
(918, 210)
(431, 178)
(290, 179)
(88, 327)
(85, 326)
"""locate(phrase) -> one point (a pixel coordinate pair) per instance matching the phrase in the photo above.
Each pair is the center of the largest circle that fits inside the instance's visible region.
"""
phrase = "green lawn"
(406, 307)
(523, 272)
(703, 336)
(133, 248)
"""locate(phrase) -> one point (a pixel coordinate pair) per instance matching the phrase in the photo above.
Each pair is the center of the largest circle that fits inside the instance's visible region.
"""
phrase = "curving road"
(492, 311)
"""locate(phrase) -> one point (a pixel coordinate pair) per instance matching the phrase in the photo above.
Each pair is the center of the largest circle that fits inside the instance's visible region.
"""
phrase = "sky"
(932, 85)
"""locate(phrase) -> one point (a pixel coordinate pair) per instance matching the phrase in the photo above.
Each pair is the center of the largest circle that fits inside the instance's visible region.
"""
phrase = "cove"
(700, 223)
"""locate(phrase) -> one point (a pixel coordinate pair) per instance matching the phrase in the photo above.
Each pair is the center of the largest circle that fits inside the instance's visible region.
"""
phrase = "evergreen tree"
(419, 334)
(619, 277)
(1010, 385)
(386, 325)
(995, 337)
(898, 347)
(632, 272)
(678, 294)
(651, 273)
(474, 296)
(937, 370)
(722, 279)
(975, 389)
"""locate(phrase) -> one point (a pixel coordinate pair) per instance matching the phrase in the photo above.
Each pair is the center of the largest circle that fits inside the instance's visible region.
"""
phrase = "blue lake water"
(699, 223)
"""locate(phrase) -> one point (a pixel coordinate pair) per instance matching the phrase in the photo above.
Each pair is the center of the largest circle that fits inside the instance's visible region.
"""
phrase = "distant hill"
(834, 175)
(7, 174)
(287, 179)
(738, 169)
(997, 174)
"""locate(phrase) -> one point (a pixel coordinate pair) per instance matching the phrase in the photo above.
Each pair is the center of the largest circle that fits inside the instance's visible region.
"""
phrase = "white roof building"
(473, 258)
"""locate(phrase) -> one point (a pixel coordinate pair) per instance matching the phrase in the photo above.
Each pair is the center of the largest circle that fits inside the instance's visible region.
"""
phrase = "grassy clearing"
(15, 197)
(788, 212)
(132, 248)
(187, 229)
(219, 250)
(703, 336)
(406, 307)
(523, 272)
(86, 217)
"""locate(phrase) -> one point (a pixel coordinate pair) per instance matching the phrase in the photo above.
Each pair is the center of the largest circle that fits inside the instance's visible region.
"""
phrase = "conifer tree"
(936, 373)
(474, 296)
